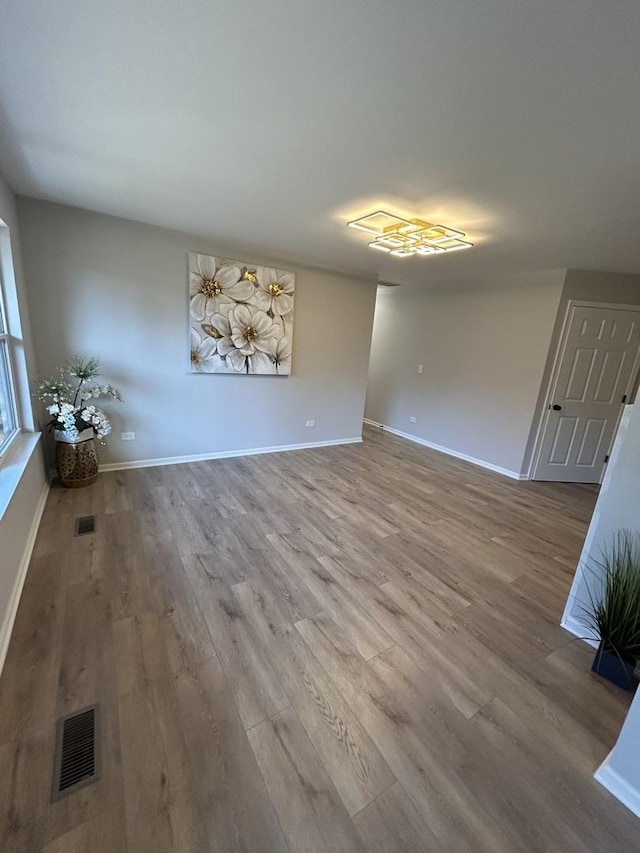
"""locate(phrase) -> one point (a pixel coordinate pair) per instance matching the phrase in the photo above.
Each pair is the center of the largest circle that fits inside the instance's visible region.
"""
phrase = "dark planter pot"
(611, 667)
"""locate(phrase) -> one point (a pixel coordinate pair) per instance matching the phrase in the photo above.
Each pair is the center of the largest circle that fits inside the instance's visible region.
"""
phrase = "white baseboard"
(225, 454)
(14, 600)
(618, 786)
(449, 452)
(578, 629)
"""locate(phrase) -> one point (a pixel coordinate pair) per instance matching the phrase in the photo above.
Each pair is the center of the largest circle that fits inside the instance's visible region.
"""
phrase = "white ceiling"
(270, 123)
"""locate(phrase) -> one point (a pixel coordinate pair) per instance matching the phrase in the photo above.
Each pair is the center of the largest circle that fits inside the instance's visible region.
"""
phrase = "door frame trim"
(557, 361)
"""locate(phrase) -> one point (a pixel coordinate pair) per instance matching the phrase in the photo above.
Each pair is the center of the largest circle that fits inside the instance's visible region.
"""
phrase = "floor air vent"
(77, 755)
(85, 524)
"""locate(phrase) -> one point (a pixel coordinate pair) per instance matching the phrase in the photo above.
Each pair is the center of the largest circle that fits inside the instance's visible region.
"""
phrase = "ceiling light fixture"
(406, 237)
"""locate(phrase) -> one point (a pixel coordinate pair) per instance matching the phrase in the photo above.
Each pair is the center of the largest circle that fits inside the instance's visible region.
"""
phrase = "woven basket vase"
(76, 460)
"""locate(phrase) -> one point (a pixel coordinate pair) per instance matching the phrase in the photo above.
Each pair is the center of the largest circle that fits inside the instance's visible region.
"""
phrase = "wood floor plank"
(367, 634)
(159, 814)
(104, 833)
(117, 489)
(88, 557)
(547, 785)
(281, 572)
(347, 648)
(334, 649)
(139, 650)
(534, 695)
(25, 786)
(308, 806)
(392, 823)
(184, 629)
(31, 666)
(159, 802)
(233, 807)
(87, 675)
(127, 576)
(419, 626)
(252, 675)
(357, 770)
(395, 724)
(190, 536)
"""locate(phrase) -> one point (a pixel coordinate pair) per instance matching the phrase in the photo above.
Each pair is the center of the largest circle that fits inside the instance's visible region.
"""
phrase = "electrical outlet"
(413, 420)
(310, 424)
(421, 368)
(127, 436)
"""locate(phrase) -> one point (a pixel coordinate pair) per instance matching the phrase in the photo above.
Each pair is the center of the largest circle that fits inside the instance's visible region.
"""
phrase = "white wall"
(620, 772)
(598, 286)
(588, 286)
(18, 527)
(617, 507)
(23, 484)
(115, 288)
(484, 352)
(617, 504)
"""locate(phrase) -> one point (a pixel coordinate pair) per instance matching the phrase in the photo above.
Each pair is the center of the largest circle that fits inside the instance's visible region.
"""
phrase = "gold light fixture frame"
(407, 237)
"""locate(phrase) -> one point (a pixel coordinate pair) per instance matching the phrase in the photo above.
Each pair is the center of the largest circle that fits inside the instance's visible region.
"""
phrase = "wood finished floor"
(347, 649)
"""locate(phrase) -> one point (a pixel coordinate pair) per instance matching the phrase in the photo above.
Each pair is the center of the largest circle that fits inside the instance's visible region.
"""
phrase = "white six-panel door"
(597, 365)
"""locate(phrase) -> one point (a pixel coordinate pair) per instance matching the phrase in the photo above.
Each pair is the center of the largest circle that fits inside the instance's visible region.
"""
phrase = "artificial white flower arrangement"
(68, 393)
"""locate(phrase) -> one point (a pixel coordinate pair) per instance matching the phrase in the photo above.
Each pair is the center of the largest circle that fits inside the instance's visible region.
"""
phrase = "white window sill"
(13, 465)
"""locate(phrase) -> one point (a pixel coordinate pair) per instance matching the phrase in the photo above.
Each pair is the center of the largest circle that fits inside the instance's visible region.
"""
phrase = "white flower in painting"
(274, 291)
(285, 326)
(282, 357)
(260, 362)
(212, 287)
(252, 330)
(247, 339)
(204, 354)
(221, 328)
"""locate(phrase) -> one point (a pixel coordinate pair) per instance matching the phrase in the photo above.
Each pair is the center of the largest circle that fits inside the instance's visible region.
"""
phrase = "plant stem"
(75, 398)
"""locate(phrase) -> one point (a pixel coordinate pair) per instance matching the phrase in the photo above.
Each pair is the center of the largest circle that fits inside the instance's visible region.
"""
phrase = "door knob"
(556, 407)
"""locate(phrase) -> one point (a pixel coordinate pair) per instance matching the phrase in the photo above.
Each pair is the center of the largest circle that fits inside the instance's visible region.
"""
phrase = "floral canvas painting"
(241, 317)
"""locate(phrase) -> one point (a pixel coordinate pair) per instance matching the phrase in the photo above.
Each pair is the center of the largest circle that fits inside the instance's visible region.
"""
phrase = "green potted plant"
(613, 613)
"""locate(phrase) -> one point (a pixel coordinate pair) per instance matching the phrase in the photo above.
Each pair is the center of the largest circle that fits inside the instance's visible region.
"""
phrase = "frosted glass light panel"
(241, 317)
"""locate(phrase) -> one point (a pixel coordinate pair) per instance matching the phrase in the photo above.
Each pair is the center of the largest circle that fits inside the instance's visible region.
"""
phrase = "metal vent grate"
(77, 755)
(85, 524)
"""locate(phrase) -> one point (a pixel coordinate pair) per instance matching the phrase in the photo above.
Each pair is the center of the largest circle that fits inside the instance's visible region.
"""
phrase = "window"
(8, 414)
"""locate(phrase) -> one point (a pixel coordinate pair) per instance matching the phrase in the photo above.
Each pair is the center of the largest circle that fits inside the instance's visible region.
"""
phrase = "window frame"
(6, 345)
